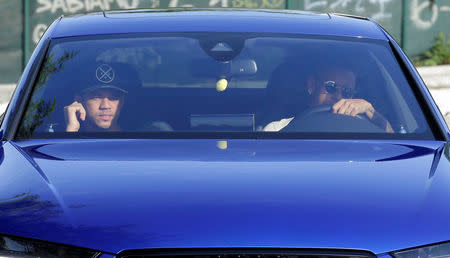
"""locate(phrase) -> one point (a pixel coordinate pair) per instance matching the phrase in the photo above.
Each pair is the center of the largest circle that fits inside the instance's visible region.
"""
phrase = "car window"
(222, 85)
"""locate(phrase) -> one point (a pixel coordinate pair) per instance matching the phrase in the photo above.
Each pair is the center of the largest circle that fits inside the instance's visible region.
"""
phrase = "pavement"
(442, 98)
(435, 76)
(6, 90)
(437, 79)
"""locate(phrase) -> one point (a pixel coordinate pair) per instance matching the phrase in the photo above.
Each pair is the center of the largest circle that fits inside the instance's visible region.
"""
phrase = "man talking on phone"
(97, 106)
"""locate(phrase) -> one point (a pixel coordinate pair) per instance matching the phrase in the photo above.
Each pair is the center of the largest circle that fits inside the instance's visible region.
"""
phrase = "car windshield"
(222, 85)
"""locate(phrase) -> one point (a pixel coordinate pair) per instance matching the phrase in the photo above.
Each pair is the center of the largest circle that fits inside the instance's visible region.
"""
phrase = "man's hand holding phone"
(72, 113)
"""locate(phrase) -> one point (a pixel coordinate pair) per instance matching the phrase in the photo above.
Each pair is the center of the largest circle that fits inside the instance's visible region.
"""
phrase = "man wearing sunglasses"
(335, 86)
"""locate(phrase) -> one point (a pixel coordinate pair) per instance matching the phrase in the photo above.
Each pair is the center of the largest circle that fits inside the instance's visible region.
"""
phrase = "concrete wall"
(11, 41)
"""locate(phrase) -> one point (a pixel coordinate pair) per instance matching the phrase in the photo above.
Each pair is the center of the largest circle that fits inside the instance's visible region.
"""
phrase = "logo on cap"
(105, 73)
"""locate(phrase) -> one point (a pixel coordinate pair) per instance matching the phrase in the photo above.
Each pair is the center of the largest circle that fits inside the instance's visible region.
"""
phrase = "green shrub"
(438, 54)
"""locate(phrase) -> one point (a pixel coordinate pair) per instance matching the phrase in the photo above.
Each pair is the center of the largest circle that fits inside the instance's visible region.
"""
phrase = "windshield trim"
(230, 135)
(236, 135)
(248, 35)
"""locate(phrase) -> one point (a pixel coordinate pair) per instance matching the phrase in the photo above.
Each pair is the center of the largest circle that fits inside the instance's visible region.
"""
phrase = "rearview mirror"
(243, 67)
(235, 68)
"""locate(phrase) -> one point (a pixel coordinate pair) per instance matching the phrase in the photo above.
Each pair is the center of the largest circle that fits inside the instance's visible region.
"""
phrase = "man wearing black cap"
(97, 107)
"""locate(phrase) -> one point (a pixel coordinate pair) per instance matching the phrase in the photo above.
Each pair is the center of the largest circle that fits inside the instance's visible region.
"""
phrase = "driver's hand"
(72, 113)
(353, 107)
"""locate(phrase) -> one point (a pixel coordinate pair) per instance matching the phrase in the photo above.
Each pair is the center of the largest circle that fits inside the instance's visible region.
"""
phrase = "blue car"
(222, 133)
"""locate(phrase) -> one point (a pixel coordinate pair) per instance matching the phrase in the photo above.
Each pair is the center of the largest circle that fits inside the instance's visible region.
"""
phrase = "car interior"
(224, 84)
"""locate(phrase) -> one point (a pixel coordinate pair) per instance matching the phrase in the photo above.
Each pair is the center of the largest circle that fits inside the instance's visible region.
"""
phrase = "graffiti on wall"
(53, 8)
(230, 3)
(38, 31)
(423, 14)
(372, 8)
(417, 10)
(76, 6)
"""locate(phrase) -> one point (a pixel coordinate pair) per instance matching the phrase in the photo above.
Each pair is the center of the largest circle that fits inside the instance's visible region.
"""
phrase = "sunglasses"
(332, 87)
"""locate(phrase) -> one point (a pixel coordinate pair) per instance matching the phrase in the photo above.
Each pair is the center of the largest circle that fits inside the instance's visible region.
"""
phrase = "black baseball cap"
(114, 76)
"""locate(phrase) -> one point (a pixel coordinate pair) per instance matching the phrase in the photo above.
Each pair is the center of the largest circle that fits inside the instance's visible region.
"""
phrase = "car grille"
(247, 253)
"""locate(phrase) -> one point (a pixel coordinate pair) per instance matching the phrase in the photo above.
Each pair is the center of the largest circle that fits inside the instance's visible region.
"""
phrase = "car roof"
(217, 20)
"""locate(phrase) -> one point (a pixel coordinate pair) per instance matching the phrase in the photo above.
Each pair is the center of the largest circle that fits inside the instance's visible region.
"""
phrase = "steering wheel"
(326, 108)
(321, 119)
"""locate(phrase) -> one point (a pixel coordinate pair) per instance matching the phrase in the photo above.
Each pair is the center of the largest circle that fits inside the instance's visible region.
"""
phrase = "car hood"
(112, 195)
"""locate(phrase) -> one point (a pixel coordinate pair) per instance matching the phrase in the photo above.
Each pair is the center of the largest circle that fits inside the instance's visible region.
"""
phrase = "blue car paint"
(218, 21)
(113, 195)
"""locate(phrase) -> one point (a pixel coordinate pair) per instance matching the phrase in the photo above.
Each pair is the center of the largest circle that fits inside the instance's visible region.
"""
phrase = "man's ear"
(121, 101)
